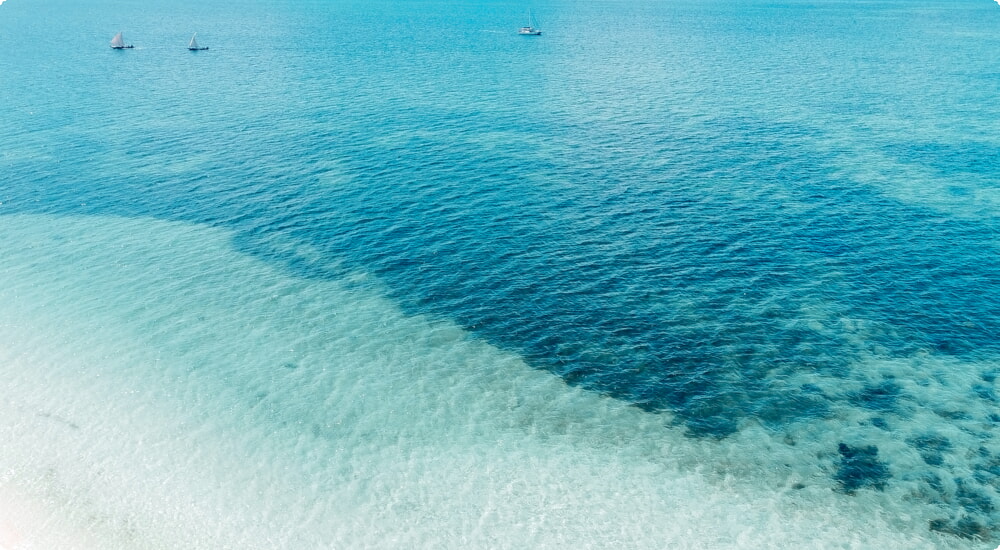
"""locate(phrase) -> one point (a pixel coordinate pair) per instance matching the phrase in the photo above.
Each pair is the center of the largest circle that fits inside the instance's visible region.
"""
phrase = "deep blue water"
(677, 204)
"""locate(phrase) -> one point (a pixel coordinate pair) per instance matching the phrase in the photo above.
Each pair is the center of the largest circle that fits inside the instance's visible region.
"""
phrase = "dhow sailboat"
(118, 43)
(193, 44)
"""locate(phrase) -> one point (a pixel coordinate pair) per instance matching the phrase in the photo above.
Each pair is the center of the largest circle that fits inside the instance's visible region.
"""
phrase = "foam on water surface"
(163, 391)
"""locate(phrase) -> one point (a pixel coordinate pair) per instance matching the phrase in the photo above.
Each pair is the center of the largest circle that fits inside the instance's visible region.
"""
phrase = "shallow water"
(166, 391)
(717, 272)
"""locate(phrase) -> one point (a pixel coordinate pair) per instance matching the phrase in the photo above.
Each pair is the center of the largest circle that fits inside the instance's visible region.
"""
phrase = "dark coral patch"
(880, 423)
(717, 426)
(777, 412)
(931, 447)
(971, 499)
(953, 415)
(882, 397)
(860, 468)
(967, 528)
(983, 391)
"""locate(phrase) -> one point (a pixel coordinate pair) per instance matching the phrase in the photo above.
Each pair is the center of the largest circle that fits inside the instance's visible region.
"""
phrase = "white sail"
(193, 45)
(117, 41)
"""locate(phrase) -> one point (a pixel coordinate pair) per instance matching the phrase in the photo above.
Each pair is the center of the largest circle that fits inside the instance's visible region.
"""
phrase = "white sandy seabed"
(160, 390)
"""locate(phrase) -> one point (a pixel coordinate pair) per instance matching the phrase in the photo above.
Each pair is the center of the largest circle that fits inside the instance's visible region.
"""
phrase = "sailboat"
(117, 43)
(193, 44)
(530, 30)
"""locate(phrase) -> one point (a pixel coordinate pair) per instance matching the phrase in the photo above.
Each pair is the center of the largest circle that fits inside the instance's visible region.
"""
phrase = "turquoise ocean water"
(674, 274)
